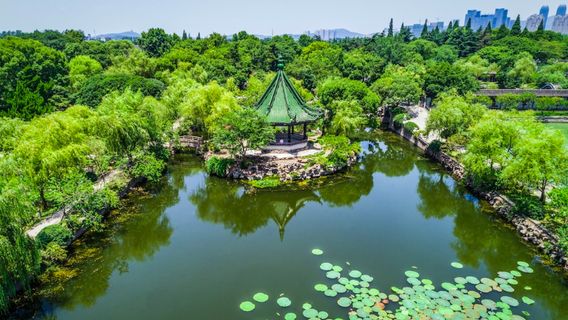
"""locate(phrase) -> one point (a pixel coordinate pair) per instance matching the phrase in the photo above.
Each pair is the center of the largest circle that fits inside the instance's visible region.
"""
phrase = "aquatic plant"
(464, 298)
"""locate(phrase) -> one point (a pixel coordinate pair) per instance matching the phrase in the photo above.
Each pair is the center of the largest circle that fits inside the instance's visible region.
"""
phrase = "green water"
(200, 245)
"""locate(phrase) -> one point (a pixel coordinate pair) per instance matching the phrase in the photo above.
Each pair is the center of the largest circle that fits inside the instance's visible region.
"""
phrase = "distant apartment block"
(534, 21)
(478, 20)
(416, 29)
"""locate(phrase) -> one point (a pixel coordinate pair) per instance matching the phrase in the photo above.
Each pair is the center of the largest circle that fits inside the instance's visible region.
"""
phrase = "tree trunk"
(543, 191)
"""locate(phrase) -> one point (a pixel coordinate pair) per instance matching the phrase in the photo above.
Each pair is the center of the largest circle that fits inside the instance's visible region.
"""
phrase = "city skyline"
(227, 17)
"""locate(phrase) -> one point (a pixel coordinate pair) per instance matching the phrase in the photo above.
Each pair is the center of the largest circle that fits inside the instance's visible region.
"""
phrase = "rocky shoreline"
(292, 169)
(530, 230)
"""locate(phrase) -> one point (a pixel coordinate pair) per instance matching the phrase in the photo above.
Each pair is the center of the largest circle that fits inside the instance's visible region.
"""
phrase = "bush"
(435, 146)
(340, 151)
(218, 166)
(58, 233)
(53, 254)
(148, 167)
(410, 126)
(95, 88)
(528, 206)
(268, 182)
(559, 203)
(398, 120)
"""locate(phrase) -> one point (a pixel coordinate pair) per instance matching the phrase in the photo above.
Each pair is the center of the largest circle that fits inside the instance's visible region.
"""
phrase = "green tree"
(334, 89)
(398, 86)
(390, 33)
(242, 130)
(81, 68)
(516, 28)
(348, 117)
(156, 42)
(453, 114)
(540, 159)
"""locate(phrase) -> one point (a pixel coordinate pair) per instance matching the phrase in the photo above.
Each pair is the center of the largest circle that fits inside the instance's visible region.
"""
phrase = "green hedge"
(57, 233)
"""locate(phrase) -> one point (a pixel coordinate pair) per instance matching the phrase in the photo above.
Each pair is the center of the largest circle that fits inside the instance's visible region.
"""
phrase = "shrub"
(218, 166)
(340, 151)
(396, 111)
(268, 182)
(528, 206)
(148, 167)
(58, 233)
(398, 120)
(435, 146)
(559, 203)
(410, 126)
(53, 254)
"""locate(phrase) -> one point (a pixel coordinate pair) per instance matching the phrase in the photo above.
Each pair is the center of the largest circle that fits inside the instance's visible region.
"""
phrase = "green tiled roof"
(282, 104)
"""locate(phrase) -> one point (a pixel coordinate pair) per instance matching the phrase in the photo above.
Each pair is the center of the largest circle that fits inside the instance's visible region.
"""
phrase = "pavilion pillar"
(305, 131)
(289, 134)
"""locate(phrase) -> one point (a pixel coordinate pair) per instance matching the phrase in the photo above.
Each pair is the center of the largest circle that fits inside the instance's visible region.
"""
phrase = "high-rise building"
(416, 29)
(561, 11)
(478, 20)
(533, 22)
(560, 24)
(544, 12)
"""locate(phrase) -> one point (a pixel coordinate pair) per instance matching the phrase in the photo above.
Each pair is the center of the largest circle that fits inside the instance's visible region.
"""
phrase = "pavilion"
(284, 107)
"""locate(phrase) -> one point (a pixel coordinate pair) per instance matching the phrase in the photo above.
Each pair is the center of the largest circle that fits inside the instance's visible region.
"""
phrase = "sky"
(254, 16)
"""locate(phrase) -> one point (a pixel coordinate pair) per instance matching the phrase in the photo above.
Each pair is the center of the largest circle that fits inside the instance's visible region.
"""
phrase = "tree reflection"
(483, 240)
(224, 202)
(136, 234)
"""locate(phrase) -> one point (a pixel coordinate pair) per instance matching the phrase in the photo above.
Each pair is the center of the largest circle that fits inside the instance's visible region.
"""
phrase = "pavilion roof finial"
(280, 64)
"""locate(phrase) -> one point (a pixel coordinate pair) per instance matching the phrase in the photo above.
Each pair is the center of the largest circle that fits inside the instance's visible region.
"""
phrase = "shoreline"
(531, 231)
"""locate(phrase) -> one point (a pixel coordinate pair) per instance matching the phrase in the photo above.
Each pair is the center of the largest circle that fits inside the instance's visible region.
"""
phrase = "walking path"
(58, 216)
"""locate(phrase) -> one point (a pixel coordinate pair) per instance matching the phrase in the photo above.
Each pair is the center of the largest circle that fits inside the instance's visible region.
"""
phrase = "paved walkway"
(420, 117)
(58, 216)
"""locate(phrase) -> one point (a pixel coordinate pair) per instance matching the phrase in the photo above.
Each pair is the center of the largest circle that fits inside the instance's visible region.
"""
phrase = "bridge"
(492, 93)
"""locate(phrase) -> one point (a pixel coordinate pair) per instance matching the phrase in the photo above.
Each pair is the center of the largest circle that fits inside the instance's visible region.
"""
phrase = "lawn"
(563, 127)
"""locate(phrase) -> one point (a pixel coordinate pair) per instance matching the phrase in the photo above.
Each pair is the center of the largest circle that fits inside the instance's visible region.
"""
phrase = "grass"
(268, 182)
(562, 127)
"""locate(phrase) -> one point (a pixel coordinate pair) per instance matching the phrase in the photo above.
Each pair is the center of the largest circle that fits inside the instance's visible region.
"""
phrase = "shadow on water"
(146, 225)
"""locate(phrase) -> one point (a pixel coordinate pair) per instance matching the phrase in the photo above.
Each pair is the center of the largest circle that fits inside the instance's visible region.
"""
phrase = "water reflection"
(134, 233)
(477, 240)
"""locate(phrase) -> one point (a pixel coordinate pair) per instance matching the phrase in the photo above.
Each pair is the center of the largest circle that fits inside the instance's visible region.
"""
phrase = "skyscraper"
(477, 20)
(544, 11)
(561, 11)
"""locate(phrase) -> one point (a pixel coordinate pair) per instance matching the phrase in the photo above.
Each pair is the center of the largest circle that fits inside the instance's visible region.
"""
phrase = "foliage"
(218, 166)
(397, 86)
(57, 233)
(347, 117)
(81, 68)
(53, 253)
(29, 75)
(242, 130)
(410, 126)
(399, 119)
(95, 88)
(264, 183)
(453, 114)
(333, 89)
(155, 41)
(339, 151)
(148, 167)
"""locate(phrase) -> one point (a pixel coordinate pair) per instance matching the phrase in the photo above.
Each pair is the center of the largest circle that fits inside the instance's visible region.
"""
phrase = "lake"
(197, 246)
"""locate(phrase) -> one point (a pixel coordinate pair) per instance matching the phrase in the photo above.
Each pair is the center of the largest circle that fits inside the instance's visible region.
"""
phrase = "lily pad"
(332, 275)
(522, 264)
(510, 301)
(344, 302)
(527, 300)
(260, 297)
(310, 313)
(320, 287)
(290, 316)
(326, 266)
(317, 252)
(283, 302)
(456, 265)
(247, 306)
(355, 273)
(412, 274)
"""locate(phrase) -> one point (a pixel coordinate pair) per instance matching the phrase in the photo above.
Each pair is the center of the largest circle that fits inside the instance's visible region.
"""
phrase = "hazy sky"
(254, 16)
